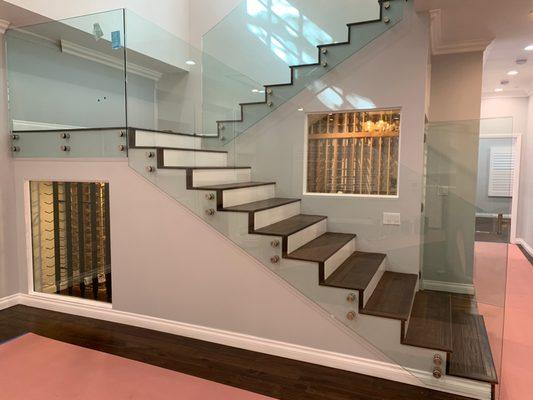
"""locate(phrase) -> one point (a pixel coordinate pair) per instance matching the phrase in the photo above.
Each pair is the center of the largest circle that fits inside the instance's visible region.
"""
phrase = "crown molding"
(118, 63)
(3, 26)
(438, 47)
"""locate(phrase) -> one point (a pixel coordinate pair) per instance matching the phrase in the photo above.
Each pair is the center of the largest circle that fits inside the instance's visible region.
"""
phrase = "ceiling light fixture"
(190, 62)
(513, 72)
(300, 109)
(498, 90)
(529, 48)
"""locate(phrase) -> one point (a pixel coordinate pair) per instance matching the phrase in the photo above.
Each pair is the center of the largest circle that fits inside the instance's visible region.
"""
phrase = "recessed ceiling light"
(498, 90)
(513, 72)
(190, 62)
(255, 91)
(300, 109)
(529, 48)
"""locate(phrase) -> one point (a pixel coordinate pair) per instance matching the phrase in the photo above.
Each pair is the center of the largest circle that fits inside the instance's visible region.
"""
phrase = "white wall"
(168, 263)
(8, 272)
(511, 107)
(456, 86)
(525, 209)
(172, 15)
(389, 72)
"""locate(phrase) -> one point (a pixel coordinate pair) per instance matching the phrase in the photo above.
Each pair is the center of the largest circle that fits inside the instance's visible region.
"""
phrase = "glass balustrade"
(161, 112)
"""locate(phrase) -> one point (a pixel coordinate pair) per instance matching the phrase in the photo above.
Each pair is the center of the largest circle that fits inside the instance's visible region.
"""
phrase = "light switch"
(391, 219)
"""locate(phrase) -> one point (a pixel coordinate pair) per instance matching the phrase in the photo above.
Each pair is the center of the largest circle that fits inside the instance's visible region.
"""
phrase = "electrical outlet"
(391, 219)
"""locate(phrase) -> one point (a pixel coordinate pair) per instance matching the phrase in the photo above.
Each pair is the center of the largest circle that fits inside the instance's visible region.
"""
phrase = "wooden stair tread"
(290, 225)
(472, 355)
(236, 185)
(430, 324)
(321, 248)
(356, 272)
(261, 205)
(393, 296)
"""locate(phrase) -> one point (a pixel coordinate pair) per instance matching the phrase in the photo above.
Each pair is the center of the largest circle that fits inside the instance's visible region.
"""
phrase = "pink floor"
(33, 367)
(516, 372)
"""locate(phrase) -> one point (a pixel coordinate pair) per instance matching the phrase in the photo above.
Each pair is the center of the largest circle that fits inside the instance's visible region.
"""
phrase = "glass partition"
(68, 74)
(466, 225)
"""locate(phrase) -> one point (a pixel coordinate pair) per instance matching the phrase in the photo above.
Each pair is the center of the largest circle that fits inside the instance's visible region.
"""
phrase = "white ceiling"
(508, 24)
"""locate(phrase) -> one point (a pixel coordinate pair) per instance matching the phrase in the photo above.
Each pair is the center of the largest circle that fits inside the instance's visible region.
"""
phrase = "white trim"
(517, 150)
(3, 26)
(380, 369)
(437, 45)
(101, 58)
(492, 215)
(499, 135)
(525, 245)
(9, 301)
(462, 288)
(21, 125)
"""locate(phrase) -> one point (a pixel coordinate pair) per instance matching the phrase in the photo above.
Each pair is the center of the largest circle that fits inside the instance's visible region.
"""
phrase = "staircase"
(359, 34)
(436, 332)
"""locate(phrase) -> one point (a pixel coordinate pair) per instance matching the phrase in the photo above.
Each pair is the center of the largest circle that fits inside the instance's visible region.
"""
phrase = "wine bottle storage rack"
(353, 153)
(71, 242)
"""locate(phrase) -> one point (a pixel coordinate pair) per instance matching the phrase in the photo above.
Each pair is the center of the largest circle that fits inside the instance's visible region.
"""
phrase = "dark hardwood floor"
(277, 377)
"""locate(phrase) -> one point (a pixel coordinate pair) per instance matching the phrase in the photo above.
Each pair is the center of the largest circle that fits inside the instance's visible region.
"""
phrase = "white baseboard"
(492, 215)
(9, 301)
(464, 387)
(525, 245)
(461, 288)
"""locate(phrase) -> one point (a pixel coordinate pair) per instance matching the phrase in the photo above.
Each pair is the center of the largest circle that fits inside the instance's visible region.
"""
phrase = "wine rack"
(353, 152)
(71, 238)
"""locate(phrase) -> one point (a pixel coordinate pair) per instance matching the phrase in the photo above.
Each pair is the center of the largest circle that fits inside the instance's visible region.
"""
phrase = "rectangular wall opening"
(354, 152)
(71, 239)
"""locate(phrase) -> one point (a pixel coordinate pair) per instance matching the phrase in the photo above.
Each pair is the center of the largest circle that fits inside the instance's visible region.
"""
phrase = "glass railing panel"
(467, 216)
(78, 143)
(268, 45)
(67, 74)
(166, 93)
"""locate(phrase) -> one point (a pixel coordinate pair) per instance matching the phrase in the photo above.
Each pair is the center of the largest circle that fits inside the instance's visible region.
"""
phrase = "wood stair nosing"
(356, 273)
(321, 249)
(261, 205)
(287, 227)
(430, 322)
(393, 296)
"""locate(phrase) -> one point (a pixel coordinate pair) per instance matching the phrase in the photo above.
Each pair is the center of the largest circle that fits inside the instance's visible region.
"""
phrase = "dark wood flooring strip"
(526, 254)
(277, 377)
(290, 226)
(430, 324)
(356, 272)
(321, 248)
(393, 296)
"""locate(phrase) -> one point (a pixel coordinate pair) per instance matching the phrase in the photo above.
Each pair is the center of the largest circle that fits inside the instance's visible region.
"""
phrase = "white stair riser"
(157, 139)
(374, 281)
(273, 215)
(304, 236)
(184, 158)
(204, 177)
(338, 258)
(236, 197)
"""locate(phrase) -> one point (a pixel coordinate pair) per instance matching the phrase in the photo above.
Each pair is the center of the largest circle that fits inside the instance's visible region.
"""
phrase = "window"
(501, 171)
(71, 239)
(353, 152)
